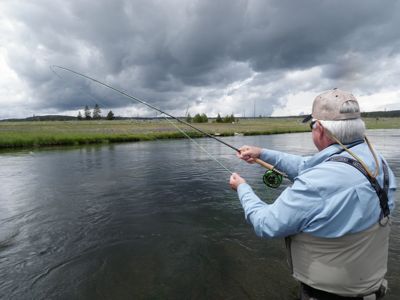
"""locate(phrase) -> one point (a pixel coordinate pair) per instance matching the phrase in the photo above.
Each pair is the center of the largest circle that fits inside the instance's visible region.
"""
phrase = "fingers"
(233, 177)
(248, 153)
(235, 180)
(244, 148)
(245, 157)
(232, 181)
(244, 152)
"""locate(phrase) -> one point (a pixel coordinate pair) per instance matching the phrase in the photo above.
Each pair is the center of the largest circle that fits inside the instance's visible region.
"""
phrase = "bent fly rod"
(272, 177)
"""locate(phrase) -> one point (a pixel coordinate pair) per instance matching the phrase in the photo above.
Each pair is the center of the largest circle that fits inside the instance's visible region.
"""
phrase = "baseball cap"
(329, 106)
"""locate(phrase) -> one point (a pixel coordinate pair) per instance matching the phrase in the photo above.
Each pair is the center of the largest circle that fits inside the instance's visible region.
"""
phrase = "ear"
(324, 135)
(319, 129)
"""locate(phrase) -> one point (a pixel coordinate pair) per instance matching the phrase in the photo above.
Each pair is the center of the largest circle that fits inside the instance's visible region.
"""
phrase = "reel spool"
(272, 179)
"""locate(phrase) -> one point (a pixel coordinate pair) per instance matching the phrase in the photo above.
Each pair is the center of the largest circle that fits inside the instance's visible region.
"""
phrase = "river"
(148, 220)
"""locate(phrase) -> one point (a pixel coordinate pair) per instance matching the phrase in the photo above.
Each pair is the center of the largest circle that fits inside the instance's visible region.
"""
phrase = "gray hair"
(346, 131)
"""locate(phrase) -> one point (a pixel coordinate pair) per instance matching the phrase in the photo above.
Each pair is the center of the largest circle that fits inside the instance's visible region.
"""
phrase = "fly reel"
(272, 179)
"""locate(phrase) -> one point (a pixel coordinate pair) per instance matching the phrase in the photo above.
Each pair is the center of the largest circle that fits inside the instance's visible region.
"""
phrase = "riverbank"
(51, 133)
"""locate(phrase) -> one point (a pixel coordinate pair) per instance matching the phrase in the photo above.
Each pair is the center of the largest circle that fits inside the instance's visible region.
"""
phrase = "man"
(335, 216)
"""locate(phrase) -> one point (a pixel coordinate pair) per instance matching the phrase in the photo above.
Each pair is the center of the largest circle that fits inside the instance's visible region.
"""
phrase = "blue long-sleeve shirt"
(327, 199)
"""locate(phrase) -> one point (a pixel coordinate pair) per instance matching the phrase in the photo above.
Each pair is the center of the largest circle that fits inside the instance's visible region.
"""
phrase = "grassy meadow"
(49, 133)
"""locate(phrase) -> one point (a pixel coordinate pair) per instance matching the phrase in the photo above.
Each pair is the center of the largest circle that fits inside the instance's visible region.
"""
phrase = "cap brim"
(306, 119)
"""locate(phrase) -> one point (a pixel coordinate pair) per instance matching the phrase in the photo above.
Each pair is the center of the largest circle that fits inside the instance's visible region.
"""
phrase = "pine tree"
(110, 115)
(96, 112)
(188, 118)
(88, 114)
(79, 116)
(219, 119)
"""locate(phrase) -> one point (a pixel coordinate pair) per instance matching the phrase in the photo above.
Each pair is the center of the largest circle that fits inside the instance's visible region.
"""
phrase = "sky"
(241, 57)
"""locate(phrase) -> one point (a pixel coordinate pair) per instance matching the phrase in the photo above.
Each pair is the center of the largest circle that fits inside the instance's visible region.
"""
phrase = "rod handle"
(264, 164)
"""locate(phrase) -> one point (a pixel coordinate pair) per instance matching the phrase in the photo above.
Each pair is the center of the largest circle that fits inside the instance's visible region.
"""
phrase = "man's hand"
(249, 153)
(235, 180)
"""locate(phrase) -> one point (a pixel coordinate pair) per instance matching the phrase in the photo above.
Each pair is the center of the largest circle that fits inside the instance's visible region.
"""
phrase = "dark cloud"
(302, 34)
(177, 53)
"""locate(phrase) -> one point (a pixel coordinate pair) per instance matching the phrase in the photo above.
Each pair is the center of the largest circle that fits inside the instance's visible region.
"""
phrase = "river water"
(151, 220)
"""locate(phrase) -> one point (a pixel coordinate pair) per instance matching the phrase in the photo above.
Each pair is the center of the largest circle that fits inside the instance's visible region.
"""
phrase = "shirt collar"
(324, 154)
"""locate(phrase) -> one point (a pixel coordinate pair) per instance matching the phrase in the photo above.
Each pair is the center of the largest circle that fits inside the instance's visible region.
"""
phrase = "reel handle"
(269, 166)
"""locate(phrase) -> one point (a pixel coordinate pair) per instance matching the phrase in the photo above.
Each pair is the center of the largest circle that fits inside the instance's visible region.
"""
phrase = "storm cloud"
(227, 56)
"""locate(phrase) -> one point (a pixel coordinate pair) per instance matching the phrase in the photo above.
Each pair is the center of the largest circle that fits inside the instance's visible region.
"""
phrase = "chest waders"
(353, 265)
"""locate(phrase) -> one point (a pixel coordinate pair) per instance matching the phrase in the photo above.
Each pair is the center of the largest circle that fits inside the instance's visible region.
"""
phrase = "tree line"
(94, 114)
(202, 118)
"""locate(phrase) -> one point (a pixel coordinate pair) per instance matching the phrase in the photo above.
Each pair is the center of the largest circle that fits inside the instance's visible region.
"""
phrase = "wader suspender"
(382, 193)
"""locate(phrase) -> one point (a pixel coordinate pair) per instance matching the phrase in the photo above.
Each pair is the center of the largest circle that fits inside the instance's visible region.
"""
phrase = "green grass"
(50, 133)
(382, 123)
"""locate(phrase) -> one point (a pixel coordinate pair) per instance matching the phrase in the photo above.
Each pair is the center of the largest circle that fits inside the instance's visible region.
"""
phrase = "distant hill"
(50, 118)
(69, 118)
(372, 114)
(42, 118)
(381, 114)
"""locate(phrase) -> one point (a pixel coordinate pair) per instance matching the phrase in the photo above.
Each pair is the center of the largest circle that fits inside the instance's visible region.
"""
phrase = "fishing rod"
(272, 177)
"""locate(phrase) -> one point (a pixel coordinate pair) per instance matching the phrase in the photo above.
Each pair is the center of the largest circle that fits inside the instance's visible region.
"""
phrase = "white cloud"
(380, 101)
(296, 104)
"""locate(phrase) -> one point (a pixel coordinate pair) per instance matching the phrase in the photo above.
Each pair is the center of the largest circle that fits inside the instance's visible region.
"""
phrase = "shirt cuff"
(243, 189)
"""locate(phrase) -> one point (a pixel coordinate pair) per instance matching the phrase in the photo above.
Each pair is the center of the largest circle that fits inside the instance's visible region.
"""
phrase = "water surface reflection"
(153, 220)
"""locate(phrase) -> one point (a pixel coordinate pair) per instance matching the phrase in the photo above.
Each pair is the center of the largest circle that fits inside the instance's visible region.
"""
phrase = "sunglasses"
(312, 124)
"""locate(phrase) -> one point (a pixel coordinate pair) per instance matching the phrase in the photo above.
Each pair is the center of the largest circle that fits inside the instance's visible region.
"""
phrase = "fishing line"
(177, 127)
(272, 178)
(93, 99)
(200, 146)
(145, 103)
